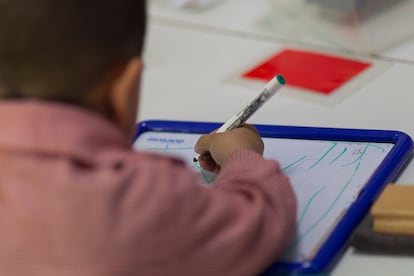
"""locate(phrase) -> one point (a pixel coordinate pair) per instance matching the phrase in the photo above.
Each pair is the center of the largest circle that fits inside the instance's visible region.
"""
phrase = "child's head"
(75, 51)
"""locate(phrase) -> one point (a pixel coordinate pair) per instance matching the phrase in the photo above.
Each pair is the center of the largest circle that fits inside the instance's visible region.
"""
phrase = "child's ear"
(124, 95)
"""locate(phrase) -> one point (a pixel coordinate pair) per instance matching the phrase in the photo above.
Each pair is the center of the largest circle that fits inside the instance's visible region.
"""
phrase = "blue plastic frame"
(391, 166)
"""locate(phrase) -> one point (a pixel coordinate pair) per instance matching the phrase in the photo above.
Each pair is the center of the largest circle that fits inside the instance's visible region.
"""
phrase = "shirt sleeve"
(238, 226)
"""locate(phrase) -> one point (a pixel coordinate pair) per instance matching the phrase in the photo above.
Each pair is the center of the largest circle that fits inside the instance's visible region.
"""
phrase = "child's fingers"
(207, 163)
(203, 144)
(220, 145)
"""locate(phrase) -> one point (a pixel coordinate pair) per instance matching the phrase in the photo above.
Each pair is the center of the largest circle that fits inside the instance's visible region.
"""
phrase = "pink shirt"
(75, 199)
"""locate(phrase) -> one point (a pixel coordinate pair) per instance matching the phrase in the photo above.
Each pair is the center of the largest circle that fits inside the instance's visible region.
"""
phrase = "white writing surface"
(326, 177)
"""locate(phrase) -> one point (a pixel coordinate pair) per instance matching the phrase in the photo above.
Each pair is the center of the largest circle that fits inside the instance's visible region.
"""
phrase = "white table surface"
(192, 73)
(259, 19)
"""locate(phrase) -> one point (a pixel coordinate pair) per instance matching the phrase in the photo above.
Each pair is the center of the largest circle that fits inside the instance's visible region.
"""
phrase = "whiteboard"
(327, 176)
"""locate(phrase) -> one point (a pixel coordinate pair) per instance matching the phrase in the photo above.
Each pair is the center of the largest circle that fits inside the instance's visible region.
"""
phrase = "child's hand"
(214, 148)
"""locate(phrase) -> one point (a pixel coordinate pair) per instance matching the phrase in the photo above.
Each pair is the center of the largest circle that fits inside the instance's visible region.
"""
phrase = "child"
(75, 199)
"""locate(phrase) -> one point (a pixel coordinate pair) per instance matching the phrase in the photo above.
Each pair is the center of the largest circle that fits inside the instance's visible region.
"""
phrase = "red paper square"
(313, 71)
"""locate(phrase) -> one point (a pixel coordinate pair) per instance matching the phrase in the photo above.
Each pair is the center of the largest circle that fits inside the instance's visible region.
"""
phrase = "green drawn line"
(382, 149)
(315, 195)
(301, 217)
(203, 174)
(377, 147)
(329, 208)
(294, 163)
(308, 205)
(364, 151)
(324, 155)
(339, 156)
(358, 158)
(205, 177)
